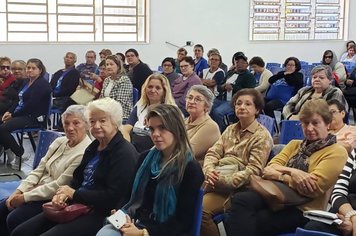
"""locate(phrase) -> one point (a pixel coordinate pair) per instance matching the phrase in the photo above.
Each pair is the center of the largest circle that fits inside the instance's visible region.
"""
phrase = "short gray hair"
(207, 93)
(327, 69)
(77, 111)
(111, 107)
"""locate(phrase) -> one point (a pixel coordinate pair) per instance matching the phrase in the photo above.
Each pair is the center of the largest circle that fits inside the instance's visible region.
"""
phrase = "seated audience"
(169, 65)
(118, 85)
(156, 90)
(321, 88)
(138, 71)
(238, 77)
(30, 110)
(6, 77)
(345, 134)
(350, 56)
(64, 83)
(102, 180)
(222, 66)
(55, 169)
(284, 85)
(89, 67)
(310, 167)
(343, 202)
(202, 131)
(243, 148)
(167, 183)
(213, 77)
(9, 96)
(350, 90)
(183, 83)
(99, 79)
(181, 53)
(200, 63)
(338, 69)
(260, 73)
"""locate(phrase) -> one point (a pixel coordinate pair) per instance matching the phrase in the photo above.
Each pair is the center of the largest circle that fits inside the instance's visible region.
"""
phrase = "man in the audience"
(236, 78)
(89, 67)
(6, 77)
(181, 53)
(138, 71)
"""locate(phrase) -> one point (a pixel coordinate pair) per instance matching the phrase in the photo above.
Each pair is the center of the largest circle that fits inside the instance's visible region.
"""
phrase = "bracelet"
(145, 232)
(350, 214)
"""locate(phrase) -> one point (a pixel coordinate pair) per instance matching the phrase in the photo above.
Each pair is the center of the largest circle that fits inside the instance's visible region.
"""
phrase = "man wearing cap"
(238, 77)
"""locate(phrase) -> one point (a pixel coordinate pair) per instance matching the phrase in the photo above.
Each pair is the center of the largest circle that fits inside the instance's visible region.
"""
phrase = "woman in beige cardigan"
(55, 169)
(202, 131)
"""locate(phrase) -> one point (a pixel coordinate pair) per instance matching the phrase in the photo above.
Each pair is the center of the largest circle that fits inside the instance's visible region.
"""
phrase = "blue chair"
(198, 214)
(304, 232)
(44, 141)
(135, 95)
(275, 69)
(291, 129)
(267, 122)
(270, 64)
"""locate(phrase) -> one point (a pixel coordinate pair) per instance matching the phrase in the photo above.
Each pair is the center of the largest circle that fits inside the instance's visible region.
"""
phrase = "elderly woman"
(338, 69)
(308, 166)
(184, 82)
(55, 169)
(321, 88)
(202, 131)
(242, 150)
(117, 85)
(102, 180)
(30, 110)
(343, 202)
(156, 90)
(167, 182)
(284, 85)
(169, 66)
(213, 77)
(345, 134)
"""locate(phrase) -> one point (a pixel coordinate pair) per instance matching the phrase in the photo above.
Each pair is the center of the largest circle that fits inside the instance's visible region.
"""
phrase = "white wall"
(221, 24)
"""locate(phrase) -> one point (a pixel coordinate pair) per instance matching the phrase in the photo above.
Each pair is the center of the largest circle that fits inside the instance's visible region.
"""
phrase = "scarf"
(301, 159)
(165, 199)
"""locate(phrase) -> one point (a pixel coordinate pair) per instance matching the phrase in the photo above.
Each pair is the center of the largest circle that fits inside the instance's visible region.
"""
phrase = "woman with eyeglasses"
(321, 88)
(241, 151)
(6, 77)
(284, 85)
(183, 83)
(202, 131)
(338, 69)
(169, 66)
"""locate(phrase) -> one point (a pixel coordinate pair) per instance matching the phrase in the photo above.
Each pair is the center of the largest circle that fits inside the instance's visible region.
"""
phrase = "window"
(298, 19)
(74, 21)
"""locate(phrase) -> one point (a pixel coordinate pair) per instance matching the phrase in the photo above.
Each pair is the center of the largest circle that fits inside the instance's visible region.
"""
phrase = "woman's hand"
(270, 173)
(9, 203)
(130, 229)
(66, 190)
(17, 200)
(7, 116)
(306, 183)
(212, 178)
(59, 201)
(228, 87)
(346, 227)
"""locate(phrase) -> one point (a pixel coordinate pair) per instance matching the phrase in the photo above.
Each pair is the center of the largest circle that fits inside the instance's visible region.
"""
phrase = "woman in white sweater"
(55, 169)
(260, 73)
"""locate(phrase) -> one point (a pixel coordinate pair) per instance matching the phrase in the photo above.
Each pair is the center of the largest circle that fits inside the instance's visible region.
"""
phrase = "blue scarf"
(165, 199)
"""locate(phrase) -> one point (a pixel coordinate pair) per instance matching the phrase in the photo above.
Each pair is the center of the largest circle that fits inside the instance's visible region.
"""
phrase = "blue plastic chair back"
(267, 122)
(135, 95)
(291, 129)
(304, 232)
(44, 141)
(271, 64)
(198, 214)
(275, 69)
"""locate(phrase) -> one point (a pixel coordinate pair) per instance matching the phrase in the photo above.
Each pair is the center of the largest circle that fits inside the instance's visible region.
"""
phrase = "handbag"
(277, 194)
(65, 214)
(85, 93)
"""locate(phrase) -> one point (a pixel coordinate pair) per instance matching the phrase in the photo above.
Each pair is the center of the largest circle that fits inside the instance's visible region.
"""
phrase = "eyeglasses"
(214, 59)
(291, 65)
(184, 66)
(330, 57)
(167, 65)
(194, 99)
(4, 67)
(16, 68)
